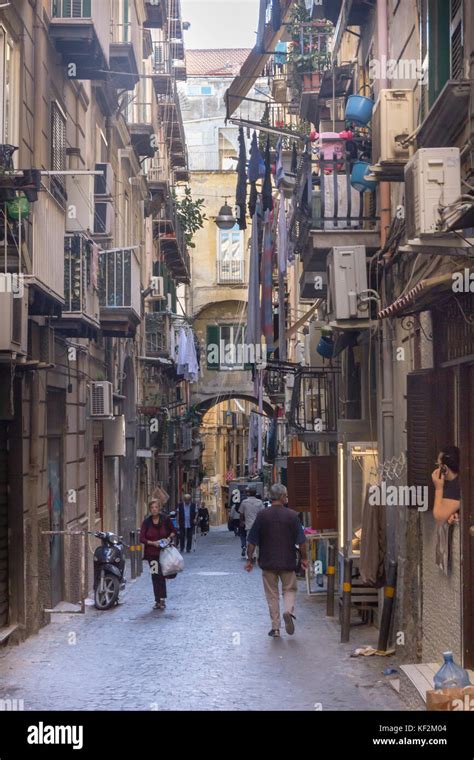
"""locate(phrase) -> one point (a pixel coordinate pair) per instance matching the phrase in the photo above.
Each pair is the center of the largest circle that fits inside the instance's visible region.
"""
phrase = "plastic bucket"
(359, 109)
(325, 347)
(358, 177)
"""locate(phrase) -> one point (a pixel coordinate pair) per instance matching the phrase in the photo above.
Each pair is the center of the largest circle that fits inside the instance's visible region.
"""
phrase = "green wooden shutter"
(212, 339)
(456, 33)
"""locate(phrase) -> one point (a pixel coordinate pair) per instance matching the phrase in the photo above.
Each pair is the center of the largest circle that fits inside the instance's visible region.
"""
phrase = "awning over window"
(420, 297)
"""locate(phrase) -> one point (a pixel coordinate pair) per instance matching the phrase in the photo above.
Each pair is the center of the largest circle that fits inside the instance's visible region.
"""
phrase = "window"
(9, 97)
(58, 150)
(442, 46)
(226, 348)
(196, 90)
(230, 259)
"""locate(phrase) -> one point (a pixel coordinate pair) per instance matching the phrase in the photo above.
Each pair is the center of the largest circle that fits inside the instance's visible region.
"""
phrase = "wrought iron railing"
(315, 402)
(336, 205)
(231, 271)
(119, 280)
(157, 335)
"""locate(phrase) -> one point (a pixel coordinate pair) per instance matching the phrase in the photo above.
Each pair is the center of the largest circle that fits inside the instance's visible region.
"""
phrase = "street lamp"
(225, 219)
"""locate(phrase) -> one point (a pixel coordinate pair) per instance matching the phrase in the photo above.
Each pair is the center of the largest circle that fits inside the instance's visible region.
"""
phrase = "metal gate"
(4, 595)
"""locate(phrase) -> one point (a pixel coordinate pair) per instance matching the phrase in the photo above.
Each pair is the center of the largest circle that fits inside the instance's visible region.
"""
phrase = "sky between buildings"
(220, 23)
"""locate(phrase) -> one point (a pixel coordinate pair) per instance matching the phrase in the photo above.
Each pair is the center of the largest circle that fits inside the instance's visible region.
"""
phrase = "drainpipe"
(386, 373)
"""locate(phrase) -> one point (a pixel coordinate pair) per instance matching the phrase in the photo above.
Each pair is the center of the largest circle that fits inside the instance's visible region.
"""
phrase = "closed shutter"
(212, 347)
(4, 600)
(312, 487)
(324, 493)
(58, 150)
(430, 422)
(457, 39)
(299, 491)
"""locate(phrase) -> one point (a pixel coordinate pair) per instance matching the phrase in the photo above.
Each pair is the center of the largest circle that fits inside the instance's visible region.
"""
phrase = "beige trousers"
(272, 593)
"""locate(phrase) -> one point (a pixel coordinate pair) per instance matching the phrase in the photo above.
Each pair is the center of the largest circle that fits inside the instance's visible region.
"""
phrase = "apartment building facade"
(89, 100)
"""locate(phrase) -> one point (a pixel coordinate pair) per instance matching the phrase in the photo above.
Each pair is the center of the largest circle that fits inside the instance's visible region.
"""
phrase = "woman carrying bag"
(156, 528)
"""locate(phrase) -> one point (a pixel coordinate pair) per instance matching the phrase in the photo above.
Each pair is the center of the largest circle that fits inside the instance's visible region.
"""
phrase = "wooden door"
(312, 487)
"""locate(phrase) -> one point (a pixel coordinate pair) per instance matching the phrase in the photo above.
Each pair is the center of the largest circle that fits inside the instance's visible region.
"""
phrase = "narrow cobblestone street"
(208, 651)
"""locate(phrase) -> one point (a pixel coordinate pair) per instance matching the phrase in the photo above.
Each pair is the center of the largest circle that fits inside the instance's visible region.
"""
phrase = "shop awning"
(420, 297)
(252, 68)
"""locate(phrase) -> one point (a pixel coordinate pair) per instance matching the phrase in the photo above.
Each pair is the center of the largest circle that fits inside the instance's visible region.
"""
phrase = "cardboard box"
(451, 700)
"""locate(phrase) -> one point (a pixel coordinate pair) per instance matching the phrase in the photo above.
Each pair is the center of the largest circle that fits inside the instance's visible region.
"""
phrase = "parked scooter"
(109, 567)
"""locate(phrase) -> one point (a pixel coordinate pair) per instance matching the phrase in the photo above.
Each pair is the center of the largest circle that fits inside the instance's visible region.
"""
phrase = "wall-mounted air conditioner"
(432, 180)
(80, 203)
(14, 323)
(101, 399)
(158, 292)
(393, 118)
(347, 279)
(104, 218)
(104, 183)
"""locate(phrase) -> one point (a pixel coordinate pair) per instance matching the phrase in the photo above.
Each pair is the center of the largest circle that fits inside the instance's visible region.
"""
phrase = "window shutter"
(457, 39)
(212, 339)
(323, 484)
(420, 427)
(299, 492)
(430, 422)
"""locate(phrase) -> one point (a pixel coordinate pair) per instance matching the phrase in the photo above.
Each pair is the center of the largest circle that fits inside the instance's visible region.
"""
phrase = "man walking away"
(277, 531)
(249, 510)
(186, 521)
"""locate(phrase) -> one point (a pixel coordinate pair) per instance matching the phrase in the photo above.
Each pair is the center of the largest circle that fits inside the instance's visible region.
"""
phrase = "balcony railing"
(157, 335)
(81, 31)
(182, 436)
(49, 229)
(336, 204)
(173, 242)
(315, 403)
(119, 273)
(231, 272)
(81, 264)
(275, 377)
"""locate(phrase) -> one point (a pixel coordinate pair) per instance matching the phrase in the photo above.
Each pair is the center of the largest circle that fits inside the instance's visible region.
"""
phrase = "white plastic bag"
(171, 561)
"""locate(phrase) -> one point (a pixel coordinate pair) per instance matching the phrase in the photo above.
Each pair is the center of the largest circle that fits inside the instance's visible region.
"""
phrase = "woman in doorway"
(447, 487)
(155, 528)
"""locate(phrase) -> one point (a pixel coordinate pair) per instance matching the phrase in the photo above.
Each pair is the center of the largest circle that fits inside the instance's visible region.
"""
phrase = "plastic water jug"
(450, 675)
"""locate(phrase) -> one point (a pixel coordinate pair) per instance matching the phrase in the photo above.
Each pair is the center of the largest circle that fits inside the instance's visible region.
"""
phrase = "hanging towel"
(267, 182)
(182, 348)
(254, 174)
(241, 194)
(280, 172)
(267, 285)
(254, 324)
(282, 236)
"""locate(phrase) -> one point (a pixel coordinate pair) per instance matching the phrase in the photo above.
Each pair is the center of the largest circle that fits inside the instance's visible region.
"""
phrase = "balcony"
(119, 292)
(340, 215)
(126, 52)
(81, 313)
(314, 404)
(158, 179)
(141, 129)
(173, 244)
(80, 30)
(157, 337)
(182, 437)
(162, 68)
(231, 272)
(275, 380)
(156, 14)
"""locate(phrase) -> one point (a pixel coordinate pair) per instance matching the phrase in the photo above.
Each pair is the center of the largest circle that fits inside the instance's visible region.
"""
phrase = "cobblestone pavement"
(208, 651)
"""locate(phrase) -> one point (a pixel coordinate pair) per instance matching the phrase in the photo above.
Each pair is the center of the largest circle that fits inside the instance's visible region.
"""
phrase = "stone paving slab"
(209, 650)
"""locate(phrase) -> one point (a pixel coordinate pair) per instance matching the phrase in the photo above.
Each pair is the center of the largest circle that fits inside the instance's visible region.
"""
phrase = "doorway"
(56, 417)
(467, 510)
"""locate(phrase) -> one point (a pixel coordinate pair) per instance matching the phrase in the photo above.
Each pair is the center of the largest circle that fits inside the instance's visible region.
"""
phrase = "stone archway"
(204, 404)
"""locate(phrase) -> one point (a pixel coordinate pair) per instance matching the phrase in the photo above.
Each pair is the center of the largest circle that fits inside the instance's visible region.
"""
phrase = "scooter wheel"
(108, 596)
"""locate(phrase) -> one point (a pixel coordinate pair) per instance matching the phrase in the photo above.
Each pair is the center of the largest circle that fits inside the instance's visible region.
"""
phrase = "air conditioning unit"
(14, 323)
(101, 399)
(104, 218)
(347, 279)
(80, 203)
(158, 292)
(393, 118)
(104, 183)
(432, 179)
